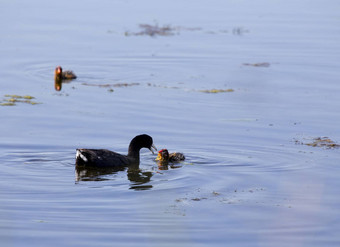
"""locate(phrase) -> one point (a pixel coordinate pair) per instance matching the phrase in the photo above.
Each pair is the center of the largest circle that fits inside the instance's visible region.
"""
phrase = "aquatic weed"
(12, 99)
(217, 90)
(7, 104)
(110, 86)
(264, 65)
(153, 30)
(320, 142)
(239, 31)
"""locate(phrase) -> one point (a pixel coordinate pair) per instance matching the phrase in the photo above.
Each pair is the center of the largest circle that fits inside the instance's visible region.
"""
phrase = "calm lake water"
(248, 180)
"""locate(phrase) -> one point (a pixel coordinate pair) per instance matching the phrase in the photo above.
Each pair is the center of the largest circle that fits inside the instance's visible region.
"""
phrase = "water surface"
(247, 179)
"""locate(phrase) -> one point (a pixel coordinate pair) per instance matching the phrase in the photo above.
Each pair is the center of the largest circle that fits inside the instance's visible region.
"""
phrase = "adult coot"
(59, 74)
(107, 158)
(164, 156)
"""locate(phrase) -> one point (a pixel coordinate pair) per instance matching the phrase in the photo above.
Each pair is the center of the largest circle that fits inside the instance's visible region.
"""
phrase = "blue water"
(247, 180)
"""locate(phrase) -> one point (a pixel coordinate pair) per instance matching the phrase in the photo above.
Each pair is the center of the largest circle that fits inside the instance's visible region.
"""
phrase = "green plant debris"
(153, 30)
(217, 90)
(111, 85)
(265, 65)
(193, 90)
(12, 99)
(7, 104)
(14, 96)
(162, 86)
(320, 142)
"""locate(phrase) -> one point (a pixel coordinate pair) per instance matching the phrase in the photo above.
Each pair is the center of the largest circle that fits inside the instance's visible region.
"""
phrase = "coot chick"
(164, 156)
(107, 158)
(59, 74)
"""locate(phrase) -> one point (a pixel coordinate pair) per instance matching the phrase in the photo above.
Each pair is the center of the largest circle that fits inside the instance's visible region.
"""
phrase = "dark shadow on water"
(58, 83)
(165, 165)
(137, 177)
(95, 174)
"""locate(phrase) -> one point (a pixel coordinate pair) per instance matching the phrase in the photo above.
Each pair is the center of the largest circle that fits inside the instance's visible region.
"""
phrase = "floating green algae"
(217, 90)
(14, 96)
(7, 104)
(12, 99)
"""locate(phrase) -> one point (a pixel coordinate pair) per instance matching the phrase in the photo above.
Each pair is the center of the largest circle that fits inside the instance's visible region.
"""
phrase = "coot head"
(141, 141)
(163, 155)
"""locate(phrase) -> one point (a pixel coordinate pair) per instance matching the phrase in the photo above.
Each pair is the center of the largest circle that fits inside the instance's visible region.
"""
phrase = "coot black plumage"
(107, 158)
(164, 156)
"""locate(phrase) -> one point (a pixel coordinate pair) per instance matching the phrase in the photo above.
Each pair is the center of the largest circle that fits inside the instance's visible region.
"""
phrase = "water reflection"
(164, 165)
(136, 176)
(94, 173)
(139, 179)
(57, 84)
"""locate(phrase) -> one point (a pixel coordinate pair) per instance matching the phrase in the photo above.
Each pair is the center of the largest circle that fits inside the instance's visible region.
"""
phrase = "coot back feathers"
(107, 158)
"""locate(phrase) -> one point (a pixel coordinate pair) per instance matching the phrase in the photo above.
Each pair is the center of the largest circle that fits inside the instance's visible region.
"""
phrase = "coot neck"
(134, 151)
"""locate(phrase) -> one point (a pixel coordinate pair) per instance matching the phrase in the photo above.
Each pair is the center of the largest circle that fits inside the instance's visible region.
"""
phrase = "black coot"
(107, 158)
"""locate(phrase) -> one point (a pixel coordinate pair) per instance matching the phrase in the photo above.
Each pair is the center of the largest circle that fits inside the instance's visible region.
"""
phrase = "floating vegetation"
(229, 90)
(320, 142)
(265, 65)
(111, 85)
(239, 31)
(14, 96)
(7, 104)
(12, 99)
(217, 90)
(197, 199)
(162, 86)
(153, 30)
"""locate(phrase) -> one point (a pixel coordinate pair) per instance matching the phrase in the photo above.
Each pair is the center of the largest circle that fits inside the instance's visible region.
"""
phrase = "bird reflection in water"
(138, 178)
(164, 165)
(57, 84)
